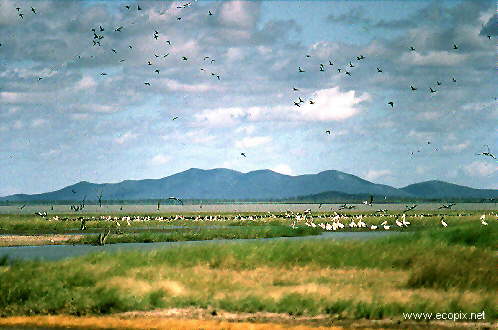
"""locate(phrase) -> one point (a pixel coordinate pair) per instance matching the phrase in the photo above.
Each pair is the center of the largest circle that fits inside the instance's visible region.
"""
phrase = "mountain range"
(226, 184)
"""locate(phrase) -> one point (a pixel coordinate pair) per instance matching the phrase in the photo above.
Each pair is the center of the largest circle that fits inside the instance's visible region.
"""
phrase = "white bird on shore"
(483, 220)
(443, 222)
(373, 227)
(352, 224)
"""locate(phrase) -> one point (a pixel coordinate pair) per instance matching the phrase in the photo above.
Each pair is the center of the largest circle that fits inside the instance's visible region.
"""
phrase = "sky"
(91, 117)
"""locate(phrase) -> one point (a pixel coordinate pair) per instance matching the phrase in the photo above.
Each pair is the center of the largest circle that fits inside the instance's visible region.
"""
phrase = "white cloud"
(174, 85)
(456, 147)
(428, 115)
(125, 137)
(247, 129)
(239, 13)
(439, 58)
(221, 117)
(38, 122)
(330, 105)
(283, 169)
(481, 168)
(160, 159)
(85, 83)
(375, 174)
(252, 141)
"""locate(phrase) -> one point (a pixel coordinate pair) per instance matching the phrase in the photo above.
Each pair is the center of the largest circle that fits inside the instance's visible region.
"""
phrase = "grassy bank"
(432, 271)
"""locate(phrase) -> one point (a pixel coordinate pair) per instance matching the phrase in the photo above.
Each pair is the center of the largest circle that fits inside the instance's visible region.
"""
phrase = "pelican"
(483, 220)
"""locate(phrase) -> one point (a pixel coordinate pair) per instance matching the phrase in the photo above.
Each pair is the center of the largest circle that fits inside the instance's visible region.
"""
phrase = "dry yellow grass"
(358, 285)
(109, 322)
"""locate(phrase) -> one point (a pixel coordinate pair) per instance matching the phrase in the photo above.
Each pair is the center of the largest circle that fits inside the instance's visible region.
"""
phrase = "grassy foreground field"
(438, 270)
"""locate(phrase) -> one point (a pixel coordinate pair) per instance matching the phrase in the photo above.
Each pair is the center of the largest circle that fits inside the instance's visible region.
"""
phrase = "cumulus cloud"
(481, 168)
(283, 169)
(252, 141)
(160, 159)
(373, 175)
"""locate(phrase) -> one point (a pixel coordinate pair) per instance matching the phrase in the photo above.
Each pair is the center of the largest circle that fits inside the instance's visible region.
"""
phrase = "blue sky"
(76, 124)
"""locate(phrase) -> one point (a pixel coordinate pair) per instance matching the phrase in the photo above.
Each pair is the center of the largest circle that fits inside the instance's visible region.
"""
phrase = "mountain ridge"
(228, 184)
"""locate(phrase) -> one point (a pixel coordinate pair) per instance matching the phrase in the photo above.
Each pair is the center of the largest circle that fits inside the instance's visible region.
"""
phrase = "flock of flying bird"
(346, 68)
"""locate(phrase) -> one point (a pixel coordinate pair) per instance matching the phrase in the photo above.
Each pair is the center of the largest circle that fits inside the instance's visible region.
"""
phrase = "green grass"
(451, 269)
(203, 234)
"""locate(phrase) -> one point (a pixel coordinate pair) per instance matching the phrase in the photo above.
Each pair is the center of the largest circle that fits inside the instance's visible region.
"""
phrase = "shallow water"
(57, 252)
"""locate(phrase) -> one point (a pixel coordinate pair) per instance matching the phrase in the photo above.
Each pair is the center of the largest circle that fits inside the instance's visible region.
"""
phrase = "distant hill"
(441, 189)
(226, 184)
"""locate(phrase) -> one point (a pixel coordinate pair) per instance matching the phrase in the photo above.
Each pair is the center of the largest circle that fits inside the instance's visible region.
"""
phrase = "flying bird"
(391, 104)
(157, 71)
(453, 79)
(113, 50)
(455, 46)
(210, 13)
(327, 132)
(148, 84)
(301, 70)
(312, 102)
(412, 49)
(174, 118)
(127, 7)
(297, 104)
(300, 100)
(101, 28)
(138, 7)
(21, 15)
(438, 83)
(294, 89)
(348, 73)
(330, 63)
(413, 88)
(184, 58)
(33, 10)
(243, 154)
(119, 29)
(379, 70)
(487, 153)
(432, 90)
